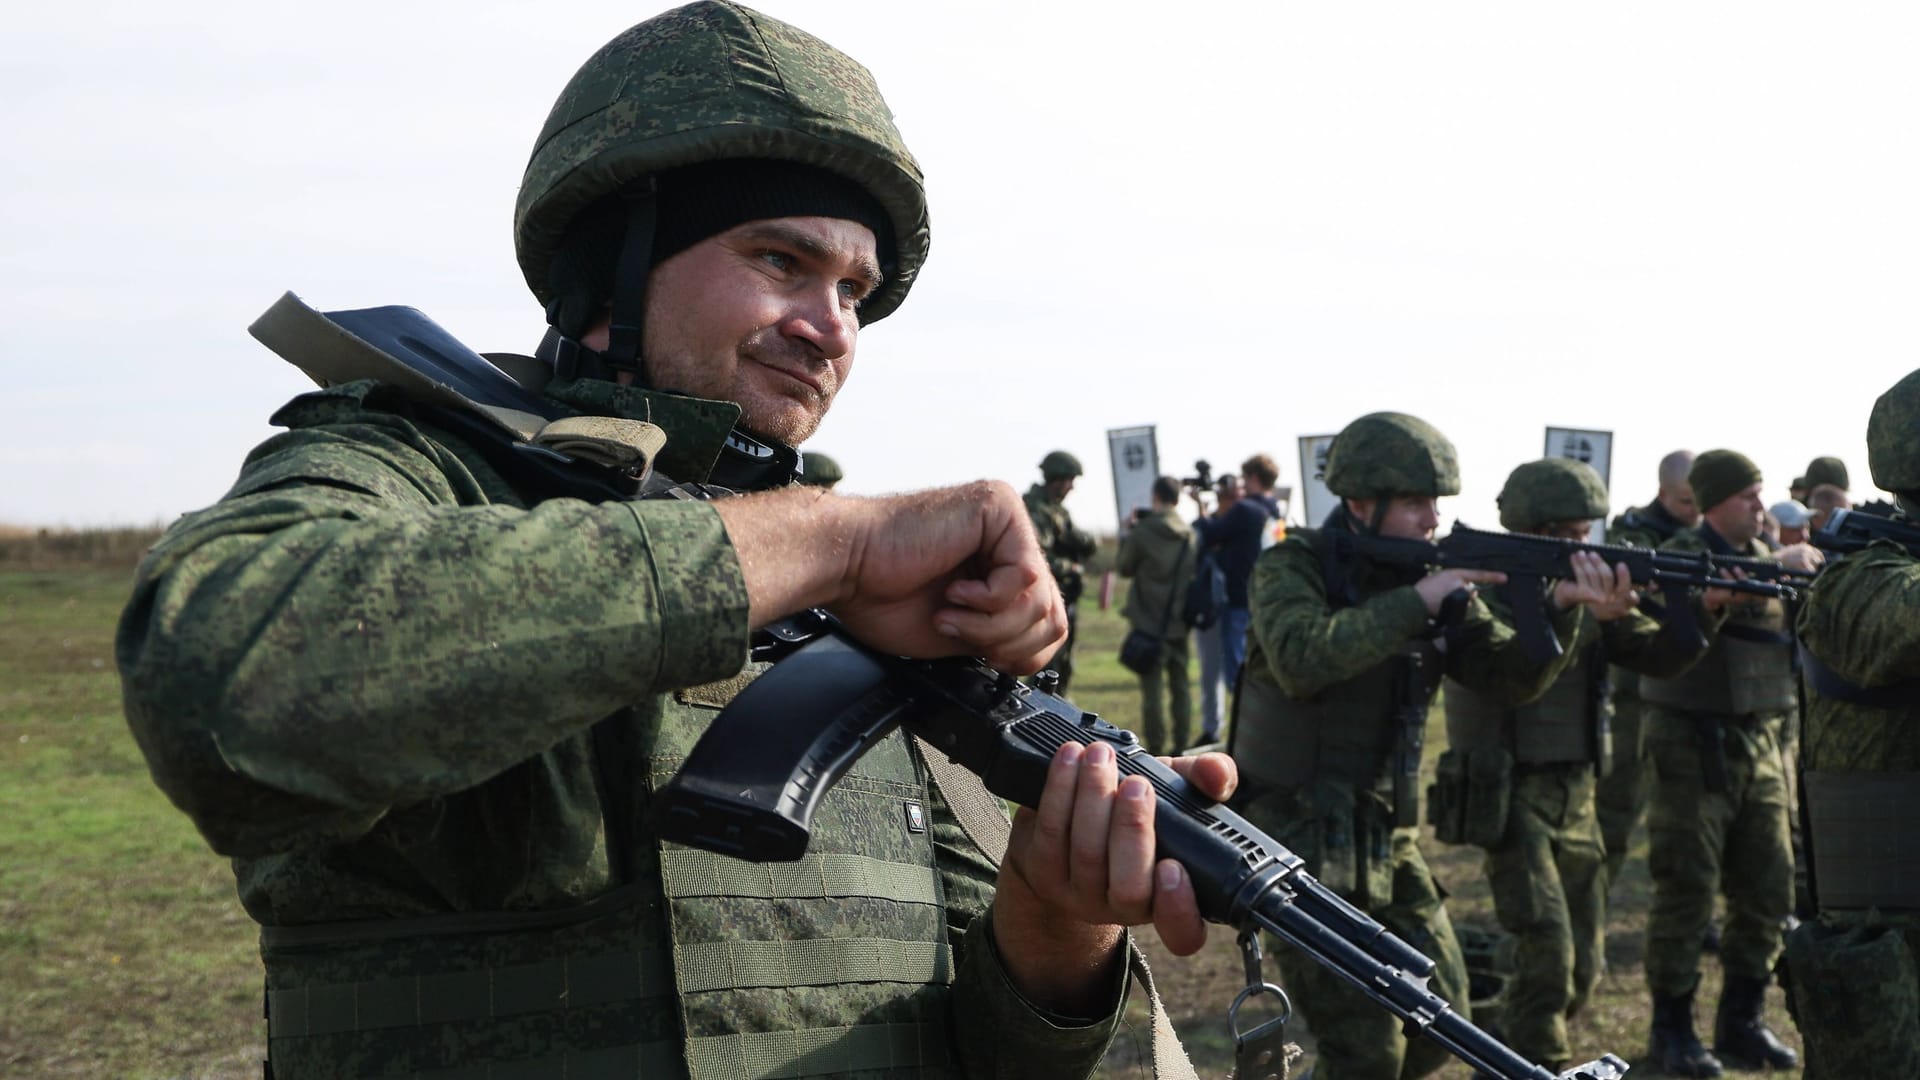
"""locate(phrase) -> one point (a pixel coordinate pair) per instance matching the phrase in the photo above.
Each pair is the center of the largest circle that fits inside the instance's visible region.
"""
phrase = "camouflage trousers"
(1549, 891)
(1856, 994)
(1620, 797)
(1732, 842)
(1170, 673)
(1348, 842)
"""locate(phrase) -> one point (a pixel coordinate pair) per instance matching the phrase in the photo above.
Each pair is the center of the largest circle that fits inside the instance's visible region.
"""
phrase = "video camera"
(1201, 482)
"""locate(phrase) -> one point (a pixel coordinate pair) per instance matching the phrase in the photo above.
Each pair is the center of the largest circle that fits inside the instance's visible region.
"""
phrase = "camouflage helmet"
(707, 82)
(819, 470)
(1548, 490)
(1060, 465)
(1386, 453)
(1893, 454)
(1827, 470)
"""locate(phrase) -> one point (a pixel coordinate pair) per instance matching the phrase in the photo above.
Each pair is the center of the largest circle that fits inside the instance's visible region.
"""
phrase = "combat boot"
(1674, 1049)
(1740, 1035)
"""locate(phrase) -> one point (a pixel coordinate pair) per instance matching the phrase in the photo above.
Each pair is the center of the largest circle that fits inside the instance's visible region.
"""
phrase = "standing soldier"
(1621, 796)
(1343, 663)
(1158, 554)
(1853, 968)
(1538, 763)
(1718, 820)
(1063, 545)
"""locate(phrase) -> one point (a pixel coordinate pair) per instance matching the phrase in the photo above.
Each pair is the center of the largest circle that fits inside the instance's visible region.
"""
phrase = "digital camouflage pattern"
(1302, 647)
(1856, 983)
(1620, 797)
(1064, 547)
(392, 689)
(1159, 553)
(1389, 453)
(1700, 842)
(1890, 433)
(710, 81)
(1547, 872)
(1549, 490)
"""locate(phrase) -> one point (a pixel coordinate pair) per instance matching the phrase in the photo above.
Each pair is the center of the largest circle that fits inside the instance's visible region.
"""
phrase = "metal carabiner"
(1262, 1052)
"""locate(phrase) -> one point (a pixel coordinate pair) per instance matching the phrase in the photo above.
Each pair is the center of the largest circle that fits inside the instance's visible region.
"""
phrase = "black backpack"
(1206, 593)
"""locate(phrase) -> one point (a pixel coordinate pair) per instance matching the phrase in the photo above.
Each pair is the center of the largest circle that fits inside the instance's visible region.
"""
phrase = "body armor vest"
(1748, 670)
(1566, 724)
(1349, 730)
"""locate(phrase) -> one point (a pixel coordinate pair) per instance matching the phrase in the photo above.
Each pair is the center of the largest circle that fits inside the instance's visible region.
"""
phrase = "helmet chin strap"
(627, 317)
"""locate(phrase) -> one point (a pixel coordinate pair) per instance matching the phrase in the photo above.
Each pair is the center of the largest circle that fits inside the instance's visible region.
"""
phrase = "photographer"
(1234, 539)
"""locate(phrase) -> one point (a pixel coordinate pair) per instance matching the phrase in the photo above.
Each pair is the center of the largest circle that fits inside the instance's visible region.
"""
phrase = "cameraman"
(1235, 538)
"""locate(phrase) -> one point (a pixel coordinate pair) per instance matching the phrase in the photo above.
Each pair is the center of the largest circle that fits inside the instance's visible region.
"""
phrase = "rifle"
(752, 783)
(1530, 562)
(1847, 531)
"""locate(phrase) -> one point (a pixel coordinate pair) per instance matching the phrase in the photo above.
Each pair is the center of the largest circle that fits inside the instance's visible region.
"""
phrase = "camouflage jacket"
(1646, 526)
(1158, 554)
(423, 716)
(1318, 693)
(1862, 619)
(1063, 544)
(1303, 643)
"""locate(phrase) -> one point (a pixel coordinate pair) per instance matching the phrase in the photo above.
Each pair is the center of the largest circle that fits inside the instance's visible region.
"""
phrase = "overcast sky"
(1690, 224)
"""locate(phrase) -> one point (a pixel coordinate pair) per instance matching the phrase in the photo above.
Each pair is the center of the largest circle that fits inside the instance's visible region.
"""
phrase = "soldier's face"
(1574, 529)
(1411, 517)
(1739, 516)
(1678, 499)
(765, 315)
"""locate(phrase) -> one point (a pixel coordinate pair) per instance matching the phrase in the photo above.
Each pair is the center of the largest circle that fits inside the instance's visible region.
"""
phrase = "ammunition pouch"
(1471, 796)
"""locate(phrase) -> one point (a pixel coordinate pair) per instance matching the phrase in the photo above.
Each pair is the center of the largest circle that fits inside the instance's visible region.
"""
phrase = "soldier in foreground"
(1519, 782)
(1343, 663)
(1063, 545)
(1718, 820)
(1621, 795)
(1855, 988)
(422, 704)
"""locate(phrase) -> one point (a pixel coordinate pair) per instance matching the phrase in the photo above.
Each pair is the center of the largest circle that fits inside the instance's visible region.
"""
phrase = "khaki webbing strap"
(790, 1055)
(702, 873)
(734, 965)
(1866, 853)
(984, 819)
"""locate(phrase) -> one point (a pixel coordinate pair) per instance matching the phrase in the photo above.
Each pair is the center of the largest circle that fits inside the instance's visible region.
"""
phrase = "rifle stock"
(750, 787)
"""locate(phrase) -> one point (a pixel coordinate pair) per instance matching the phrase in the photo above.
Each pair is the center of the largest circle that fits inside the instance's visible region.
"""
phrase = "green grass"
(124, 952)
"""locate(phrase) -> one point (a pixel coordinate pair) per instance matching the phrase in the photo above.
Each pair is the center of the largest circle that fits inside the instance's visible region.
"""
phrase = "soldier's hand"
(1803, 557)
(1437, 586)
(953, 571)
(1082, 866)
(1718, 599)
(1608, 593)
